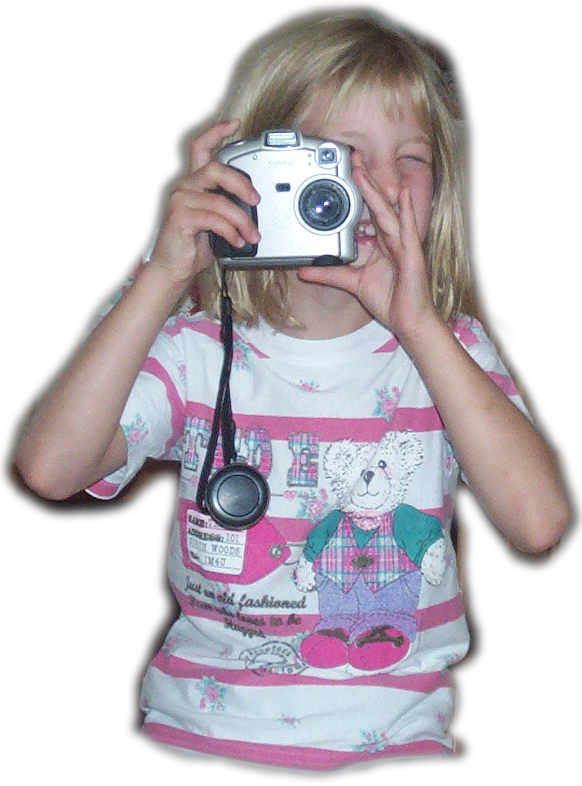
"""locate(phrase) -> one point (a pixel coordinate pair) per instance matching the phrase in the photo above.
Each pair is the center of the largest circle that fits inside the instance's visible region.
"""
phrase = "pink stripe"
(390, 346)
(284, 756)
(441, 614)
(331, 429)
(155, 368)
(411, 419)
(185, 669)
(504, 382)
(206, 328)
(103, 489)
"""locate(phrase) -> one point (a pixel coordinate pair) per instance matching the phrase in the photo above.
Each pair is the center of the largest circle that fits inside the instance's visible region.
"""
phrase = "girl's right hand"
(194, 209)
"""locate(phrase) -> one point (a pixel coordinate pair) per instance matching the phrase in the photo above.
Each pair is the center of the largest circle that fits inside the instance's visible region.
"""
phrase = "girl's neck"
(323, 312)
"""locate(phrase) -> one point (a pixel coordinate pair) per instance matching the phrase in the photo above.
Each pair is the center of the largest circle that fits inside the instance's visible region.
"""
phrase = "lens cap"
(237, 496)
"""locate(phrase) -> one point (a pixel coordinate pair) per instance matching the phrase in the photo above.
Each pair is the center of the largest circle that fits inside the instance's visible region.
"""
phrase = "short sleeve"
(153, 416)
(472, 336)
(186, 307)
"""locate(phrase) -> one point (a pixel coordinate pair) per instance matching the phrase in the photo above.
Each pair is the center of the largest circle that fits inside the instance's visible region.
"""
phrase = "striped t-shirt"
(299, 643)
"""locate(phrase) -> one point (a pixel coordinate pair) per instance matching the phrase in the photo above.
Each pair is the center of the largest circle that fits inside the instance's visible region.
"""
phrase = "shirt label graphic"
(213, 548)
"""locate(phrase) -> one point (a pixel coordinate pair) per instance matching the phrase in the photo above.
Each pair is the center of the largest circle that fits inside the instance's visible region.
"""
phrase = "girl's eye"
(417, 159)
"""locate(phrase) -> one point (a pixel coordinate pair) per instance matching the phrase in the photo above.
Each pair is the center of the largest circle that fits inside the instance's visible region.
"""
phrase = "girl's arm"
(507, 463)
(74, 438)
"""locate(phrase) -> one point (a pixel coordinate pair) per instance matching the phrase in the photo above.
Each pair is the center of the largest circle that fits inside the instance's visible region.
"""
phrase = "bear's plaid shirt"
(379, 562)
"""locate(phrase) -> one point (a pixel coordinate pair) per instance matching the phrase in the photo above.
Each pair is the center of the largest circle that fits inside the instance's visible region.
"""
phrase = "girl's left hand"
(392, 284)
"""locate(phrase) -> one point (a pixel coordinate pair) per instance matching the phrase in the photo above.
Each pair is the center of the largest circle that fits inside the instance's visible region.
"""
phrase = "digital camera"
(309, 204)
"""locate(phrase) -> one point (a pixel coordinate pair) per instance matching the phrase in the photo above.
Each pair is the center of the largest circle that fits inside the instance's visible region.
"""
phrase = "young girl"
(321, 636)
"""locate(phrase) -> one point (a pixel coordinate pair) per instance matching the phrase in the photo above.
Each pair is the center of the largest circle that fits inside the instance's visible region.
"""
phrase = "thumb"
(340, 277)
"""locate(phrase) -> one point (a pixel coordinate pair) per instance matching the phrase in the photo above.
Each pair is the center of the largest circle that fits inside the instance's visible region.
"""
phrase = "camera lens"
(324, 205)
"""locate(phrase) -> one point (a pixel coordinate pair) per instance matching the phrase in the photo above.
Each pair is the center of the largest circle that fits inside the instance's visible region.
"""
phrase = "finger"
(409, 228)
(210, 188)
(382, 212)
(219, 225)
(214, 176)
(203, 146)
(234, 215)
(212, 212)
(194, 224)
(232, 181)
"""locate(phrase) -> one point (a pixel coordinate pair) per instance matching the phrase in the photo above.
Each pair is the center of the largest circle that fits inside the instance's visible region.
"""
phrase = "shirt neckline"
(355, 345)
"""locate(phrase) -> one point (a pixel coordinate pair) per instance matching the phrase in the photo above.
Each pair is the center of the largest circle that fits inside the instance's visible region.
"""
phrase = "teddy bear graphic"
(367, 559)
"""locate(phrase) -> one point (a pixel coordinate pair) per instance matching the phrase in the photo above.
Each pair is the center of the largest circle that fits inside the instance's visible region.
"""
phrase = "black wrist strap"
(223, 421)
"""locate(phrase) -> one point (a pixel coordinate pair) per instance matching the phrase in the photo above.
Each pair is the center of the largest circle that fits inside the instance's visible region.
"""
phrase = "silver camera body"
(309, 204)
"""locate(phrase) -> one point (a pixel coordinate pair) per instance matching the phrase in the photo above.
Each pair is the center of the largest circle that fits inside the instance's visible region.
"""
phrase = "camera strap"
(223, 421)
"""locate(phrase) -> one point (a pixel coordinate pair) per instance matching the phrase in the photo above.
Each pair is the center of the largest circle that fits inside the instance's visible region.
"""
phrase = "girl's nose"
(385, 174)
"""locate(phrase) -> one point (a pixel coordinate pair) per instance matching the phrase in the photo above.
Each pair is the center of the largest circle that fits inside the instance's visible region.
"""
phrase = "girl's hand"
(392, 284)
(194, 209)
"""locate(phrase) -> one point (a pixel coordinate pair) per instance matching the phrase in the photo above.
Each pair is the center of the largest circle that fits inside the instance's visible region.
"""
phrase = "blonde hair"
(347, 53)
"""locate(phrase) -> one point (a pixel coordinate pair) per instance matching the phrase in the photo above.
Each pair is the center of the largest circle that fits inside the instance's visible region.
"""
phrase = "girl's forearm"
(508, 465)
(74, 437)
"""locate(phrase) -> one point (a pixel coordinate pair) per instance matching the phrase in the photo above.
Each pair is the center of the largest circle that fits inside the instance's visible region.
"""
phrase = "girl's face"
(394, 147)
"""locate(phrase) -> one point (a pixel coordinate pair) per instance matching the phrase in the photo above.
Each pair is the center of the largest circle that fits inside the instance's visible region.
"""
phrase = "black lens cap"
(237, 496)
